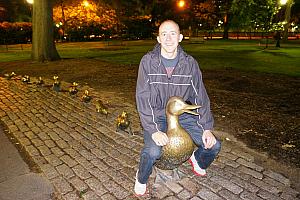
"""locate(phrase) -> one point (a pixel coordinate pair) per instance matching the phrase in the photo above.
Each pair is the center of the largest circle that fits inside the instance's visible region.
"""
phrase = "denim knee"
(154, 153)
(147, 160)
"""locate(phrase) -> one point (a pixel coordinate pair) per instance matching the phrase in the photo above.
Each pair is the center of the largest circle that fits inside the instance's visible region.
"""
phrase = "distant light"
(283, 2)
(30, 1)
(86, 3)
(181, 4)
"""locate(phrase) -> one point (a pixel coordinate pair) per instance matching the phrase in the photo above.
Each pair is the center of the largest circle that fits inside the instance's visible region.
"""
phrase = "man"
(164, 72)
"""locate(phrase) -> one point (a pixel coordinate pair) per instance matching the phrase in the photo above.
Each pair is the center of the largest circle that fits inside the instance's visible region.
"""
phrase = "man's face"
(169, 37)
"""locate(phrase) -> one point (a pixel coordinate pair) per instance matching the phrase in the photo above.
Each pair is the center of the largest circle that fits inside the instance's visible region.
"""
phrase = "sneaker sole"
(142, 195)
(197, 174)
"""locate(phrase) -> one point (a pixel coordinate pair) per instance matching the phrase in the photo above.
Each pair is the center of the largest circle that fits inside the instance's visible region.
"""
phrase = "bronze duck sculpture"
(25, 79)
(9, 76)
(101, 108)
(40, 81)
(123, 123)
(73, 89)
(56, 84)
(180, 146)
(86, 98)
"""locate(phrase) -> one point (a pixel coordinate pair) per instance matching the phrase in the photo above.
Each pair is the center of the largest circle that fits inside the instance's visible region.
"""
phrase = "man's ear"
(180, 37)
(158, 39)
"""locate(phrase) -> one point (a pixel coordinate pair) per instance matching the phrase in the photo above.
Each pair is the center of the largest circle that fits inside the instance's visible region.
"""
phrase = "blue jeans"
(151, 152)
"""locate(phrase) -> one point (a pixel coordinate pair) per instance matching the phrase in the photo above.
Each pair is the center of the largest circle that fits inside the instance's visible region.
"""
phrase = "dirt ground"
(261, 110)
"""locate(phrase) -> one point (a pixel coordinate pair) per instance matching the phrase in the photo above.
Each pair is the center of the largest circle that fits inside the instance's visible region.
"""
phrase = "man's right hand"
(160, 138)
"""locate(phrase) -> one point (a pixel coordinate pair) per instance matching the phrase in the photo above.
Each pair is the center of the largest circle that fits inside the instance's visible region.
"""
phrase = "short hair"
(169, 21)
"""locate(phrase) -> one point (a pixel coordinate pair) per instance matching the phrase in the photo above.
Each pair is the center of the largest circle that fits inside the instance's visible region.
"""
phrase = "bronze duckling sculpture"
(73, 89)
(180, 146)
(86, 98)
(9, 76)
(25, 79)
(56, 84)
(101, 108)
(40, 81)
(123, 123)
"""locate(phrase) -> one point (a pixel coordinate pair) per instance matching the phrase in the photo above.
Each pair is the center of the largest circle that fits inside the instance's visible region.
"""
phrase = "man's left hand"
(208, 139)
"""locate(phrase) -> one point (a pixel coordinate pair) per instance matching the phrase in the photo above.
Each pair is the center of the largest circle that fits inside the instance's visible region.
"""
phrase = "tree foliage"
(141, 18)
(76, 15)
(205, 14)
(14, 11)
(15, 33)
(136, 17)
(252, 14)
(296, 12)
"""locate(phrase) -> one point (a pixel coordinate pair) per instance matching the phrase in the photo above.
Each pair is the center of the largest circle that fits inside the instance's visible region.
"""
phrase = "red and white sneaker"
(196, 169)
(139, 188)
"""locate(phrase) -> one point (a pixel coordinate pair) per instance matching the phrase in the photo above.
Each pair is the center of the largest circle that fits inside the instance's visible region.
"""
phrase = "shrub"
(15, 33)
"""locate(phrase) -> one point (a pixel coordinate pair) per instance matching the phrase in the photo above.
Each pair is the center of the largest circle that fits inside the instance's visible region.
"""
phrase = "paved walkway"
(81, 154)
(17, 182)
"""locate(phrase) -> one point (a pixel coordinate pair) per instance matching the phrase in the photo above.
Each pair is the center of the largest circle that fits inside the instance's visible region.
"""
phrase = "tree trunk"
(226, 26)
(43, 46)
(287, 19)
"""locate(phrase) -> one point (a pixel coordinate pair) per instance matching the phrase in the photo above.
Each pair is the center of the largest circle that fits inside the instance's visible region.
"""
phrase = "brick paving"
(84, 157)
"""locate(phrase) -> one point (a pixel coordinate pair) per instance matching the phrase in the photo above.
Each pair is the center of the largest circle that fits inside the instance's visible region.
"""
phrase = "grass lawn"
(213, 54)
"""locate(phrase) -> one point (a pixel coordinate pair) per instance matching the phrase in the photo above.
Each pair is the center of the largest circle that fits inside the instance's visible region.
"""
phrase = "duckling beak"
(189, 108)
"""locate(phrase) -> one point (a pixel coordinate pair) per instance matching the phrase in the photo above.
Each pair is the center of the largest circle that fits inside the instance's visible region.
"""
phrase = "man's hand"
(208, 139)
(160, 138)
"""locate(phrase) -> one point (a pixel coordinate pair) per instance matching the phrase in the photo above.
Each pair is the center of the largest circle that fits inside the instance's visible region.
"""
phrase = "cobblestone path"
(84, 157)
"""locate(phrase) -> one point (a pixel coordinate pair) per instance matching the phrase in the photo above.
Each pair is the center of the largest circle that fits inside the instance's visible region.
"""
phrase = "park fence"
(243, 35)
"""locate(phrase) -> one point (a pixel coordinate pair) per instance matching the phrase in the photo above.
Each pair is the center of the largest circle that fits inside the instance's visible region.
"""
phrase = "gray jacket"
(154, 88)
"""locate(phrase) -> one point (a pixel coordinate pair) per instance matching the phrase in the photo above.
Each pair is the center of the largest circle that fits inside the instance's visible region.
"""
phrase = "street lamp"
(283, 2)
(181, 3)
(183, 6)
(30, 1)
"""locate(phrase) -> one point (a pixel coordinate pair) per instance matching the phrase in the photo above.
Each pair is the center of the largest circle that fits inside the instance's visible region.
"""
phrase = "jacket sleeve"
(143, 95)
(206, 120)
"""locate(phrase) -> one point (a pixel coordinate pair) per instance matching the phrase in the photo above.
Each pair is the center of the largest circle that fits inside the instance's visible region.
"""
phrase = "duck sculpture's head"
(177, 106)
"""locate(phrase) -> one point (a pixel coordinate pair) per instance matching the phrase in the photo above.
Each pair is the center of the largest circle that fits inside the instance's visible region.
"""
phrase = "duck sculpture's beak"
(188, 109)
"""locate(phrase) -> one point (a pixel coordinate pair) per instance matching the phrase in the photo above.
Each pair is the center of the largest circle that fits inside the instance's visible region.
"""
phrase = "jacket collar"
(156, 56)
